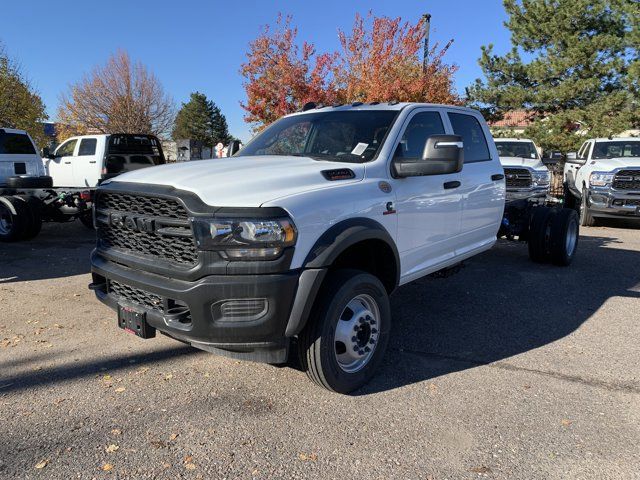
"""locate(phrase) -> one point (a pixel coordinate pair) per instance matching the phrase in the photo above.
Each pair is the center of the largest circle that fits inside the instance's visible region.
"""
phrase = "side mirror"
(47, 153)
(572, 157)
(442, 154)
(233, 148)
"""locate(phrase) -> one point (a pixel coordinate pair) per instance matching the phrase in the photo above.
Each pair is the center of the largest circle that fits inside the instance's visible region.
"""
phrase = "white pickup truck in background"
(84, 161)
(526, 176)
(61, 189)
(603, 178)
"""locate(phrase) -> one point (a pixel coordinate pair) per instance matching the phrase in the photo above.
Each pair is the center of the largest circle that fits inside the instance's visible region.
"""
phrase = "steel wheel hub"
(357, 333)
(6, 220)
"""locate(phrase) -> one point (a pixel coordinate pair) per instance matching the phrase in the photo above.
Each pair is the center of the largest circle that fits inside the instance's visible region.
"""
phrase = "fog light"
(240, 310)
(618, 203)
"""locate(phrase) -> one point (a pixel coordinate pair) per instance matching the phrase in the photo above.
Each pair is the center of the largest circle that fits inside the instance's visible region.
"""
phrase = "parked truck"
(526, 175)
(603, 179)
(296, 243)
(60, 189)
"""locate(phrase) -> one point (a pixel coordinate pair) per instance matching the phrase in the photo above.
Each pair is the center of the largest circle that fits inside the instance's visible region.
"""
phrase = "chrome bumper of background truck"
(609, 202)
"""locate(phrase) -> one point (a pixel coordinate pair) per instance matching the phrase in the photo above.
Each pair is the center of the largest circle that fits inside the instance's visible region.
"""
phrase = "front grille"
(627, 180)
(633, 203)
(517, 177)
(135, 295)
(166, 234)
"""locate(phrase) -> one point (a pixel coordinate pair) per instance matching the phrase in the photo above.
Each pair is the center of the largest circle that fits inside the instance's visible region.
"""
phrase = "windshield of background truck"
(516, 149)
(341, 136)
(619, 149)
(16, 144)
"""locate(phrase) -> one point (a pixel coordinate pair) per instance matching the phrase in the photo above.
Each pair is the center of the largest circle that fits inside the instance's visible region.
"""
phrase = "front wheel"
(586, 219)
(345, 340)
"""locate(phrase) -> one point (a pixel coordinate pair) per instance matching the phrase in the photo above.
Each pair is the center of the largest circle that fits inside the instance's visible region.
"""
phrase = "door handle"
(450, 185)
(92, 161)
(67, 163)
(496, 177)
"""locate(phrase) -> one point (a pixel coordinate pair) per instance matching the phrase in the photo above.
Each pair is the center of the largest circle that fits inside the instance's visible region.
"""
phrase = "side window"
(87, 146)
(475, 144)
(66, 149)
(421, 127)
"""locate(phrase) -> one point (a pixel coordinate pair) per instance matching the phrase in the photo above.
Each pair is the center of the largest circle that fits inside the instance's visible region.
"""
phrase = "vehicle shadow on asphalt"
(498, 306)
(61, 250)
(72, 371)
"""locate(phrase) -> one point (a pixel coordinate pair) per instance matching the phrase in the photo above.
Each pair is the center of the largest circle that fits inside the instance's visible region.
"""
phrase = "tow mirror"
(233, 148)
(572, 157)
(46, 153)
(442, 154)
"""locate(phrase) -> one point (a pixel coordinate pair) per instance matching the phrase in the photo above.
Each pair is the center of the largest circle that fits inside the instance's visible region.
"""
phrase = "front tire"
(539, 233)
(586, 219)
(345, 340)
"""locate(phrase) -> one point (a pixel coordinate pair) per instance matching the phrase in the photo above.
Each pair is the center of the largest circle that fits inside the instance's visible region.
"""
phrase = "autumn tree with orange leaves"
(380, 59)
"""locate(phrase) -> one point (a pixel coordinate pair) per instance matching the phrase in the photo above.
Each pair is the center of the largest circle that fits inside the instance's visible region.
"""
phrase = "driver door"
(429, 207)
(60, 168)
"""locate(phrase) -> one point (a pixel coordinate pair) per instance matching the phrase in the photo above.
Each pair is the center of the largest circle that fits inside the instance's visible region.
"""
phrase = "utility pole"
(427, 25)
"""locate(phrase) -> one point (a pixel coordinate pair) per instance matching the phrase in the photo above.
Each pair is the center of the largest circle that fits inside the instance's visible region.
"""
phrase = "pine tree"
(201, 119)
(574, 64)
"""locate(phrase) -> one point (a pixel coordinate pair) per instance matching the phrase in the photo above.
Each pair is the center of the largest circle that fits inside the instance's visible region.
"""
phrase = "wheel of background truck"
(29, 181)
(539, 232)
(563, 240)
(13, 225)
(34, 215)
(569, 201)
(344, 341)
(586, 219)
(87, 220)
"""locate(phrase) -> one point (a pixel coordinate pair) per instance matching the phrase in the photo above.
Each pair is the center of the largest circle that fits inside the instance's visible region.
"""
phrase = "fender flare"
(7, 203)
(321, 256)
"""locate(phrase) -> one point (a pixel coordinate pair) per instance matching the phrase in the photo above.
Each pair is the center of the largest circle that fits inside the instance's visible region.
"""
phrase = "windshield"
(629, 148)
(342, 136)
(516, 149)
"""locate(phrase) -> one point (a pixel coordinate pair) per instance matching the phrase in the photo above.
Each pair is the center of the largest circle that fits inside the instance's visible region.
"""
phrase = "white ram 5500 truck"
(525, 174)
(306, 231)
(603, 178)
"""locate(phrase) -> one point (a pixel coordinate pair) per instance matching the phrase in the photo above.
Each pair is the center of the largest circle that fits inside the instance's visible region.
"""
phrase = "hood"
(608, 164)
(243, 181)
(534, 163)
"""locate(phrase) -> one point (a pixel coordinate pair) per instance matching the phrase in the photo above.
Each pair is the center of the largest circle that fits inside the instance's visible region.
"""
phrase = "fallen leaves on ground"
(106, 467)
(112, 448)
(42, 464)
(120, 389)
(173, 436)
(116, 431)
(481, 469)
(308, 457)
(565, 422)
(168, 377)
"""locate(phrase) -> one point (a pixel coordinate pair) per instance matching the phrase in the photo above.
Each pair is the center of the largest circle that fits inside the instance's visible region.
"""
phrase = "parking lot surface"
(506, 370)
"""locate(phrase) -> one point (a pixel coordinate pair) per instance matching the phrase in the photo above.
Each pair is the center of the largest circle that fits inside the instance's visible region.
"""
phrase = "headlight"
(541, 179)
(246, 238)
(600, 179)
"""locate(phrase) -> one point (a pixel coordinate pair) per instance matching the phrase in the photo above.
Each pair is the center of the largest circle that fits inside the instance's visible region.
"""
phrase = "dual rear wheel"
(553, 235)
(20, 218)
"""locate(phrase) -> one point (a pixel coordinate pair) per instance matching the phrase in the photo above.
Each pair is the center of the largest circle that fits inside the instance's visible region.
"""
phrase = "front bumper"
(607, 202)
(245, 316)
(526, 193)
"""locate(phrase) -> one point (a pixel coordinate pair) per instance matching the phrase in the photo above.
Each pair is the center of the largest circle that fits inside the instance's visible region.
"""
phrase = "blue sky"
(199, 45)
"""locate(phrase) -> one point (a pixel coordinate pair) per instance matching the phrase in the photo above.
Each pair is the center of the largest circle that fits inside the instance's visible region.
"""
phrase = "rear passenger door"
(86, 164)
(482, 184)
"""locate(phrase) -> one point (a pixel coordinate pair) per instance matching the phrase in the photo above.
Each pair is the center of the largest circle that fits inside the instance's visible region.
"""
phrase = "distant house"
(513, 122)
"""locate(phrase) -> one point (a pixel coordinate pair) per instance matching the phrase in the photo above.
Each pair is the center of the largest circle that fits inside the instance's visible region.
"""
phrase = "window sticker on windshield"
(360, 148)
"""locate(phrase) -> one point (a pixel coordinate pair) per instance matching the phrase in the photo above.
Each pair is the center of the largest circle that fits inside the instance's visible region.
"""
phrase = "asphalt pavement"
(506, 370)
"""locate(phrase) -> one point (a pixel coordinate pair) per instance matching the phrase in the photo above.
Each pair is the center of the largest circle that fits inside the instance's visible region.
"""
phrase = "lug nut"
(367, 349)
(374, 330)
(372, 321)
(372, 341)
(354, 339)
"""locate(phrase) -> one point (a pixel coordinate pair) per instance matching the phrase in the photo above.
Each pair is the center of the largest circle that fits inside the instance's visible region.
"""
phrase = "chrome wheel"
(6, 220)
(357, 333)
